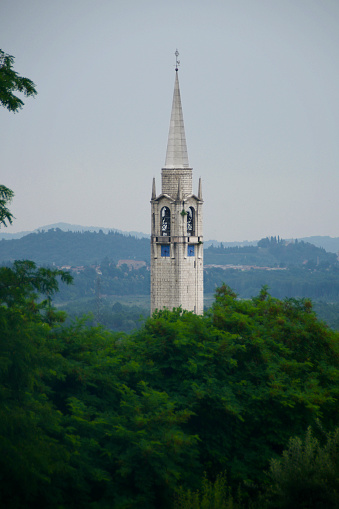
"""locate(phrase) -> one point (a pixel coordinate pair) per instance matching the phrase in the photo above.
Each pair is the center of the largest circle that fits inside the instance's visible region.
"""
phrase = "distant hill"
(330, 244)
(271, 252)
(74, 248)
(71, 228)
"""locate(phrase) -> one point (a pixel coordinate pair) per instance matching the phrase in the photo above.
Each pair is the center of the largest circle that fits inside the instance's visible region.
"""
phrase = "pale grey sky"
(259, 85)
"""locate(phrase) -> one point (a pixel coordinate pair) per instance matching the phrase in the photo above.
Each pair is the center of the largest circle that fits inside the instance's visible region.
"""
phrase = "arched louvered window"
(191, 221)
(165, 221)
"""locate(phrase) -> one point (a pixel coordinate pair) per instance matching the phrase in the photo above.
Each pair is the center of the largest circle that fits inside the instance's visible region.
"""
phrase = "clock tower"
(176, 225)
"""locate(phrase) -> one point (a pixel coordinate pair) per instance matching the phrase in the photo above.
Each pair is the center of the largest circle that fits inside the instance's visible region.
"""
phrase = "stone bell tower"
(176, 225)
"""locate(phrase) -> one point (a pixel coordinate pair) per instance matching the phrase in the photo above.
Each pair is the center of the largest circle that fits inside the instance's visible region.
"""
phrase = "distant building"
(132, 264)
(176, 226)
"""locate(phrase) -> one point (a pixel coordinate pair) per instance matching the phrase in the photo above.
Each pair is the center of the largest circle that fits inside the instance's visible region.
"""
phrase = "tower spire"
(176, 156)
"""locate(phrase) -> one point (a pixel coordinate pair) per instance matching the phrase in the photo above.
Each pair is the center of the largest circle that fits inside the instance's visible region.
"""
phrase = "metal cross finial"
(177, 62)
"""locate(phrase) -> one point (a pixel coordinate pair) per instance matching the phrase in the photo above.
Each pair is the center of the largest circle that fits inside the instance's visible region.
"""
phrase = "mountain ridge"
(73, 228)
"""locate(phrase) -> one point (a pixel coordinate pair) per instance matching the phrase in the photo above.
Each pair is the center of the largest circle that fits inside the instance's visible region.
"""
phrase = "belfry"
(176, 225)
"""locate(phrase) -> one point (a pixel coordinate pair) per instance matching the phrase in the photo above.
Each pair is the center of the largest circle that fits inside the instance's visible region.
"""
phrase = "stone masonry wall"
(170, 178)
(177, 280)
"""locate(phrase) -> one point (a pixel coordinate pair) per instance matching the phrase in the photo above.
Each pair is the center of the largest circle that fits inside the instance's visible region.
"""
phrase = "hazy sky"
(259, 85)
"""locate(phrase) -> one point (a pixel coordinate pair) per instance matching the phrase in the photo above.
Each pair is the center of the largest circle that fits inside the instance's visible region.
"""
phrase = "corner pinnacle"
(154, 194)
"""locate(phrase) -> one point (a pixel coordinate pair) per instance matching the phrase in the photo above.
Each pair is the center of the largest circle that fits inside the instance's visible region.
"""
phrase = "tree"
(23, 283)
(254, 373)
(94, 419)
(6, 196)
(11, 82)
(31, 453)
(307, 474)
(217, 495)
(285, 376)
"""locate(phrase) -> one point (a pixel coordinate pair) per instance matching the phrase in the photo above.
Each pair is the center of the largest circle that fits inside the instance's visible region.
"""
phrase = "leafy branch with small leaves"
(10, 82)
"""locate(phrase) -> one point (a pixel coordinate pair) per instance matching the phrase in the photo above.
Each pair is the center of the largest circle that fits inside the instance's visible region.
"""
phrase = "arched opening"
(191, 221)
(165, 221)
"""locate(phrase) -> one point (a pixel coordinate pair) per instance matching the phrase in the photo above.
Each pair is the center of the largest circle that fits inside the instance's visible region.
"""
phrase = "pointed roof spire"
(154, 194)
(176, 156)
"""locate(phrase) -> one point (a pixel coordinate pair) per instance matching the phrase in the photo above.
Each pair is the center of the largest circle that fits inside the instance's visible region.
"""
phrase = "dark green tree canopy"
(92, 419)
(11, 82)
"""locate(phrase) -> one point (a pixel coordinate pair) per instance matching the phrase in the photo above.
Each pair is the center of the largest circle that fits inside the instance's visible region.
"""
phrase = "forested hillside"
(271, 252)
(74, 248)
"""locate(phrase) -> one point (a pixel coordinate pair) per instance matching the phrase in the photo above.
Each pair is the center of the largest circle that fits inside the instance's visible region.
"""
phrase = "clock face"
(165, 250)
(190, 251)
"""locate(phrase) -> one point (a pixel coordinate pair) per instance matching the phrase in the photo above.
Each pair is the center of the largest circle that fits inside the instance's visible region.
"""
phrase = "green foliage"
(90, 418)
(11, 82)
(252, 372)
(217, 495)
(130, 447)
(21, 284)
(6, 196)
(30, 451)
(307, 475)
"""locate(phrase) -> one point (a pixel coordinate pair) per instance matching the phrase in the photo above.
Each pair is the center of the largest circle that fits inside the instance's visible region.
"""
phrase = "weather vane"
(177, 62)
